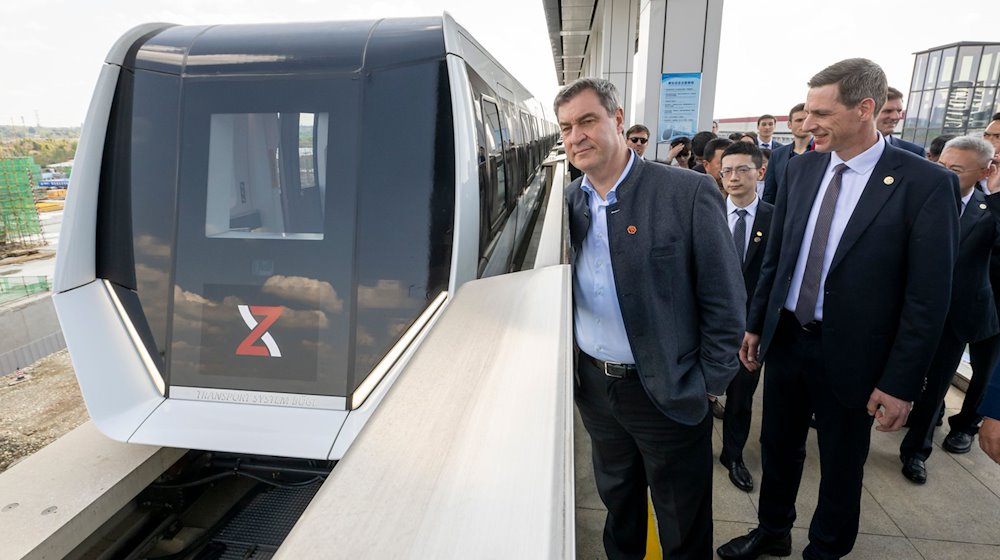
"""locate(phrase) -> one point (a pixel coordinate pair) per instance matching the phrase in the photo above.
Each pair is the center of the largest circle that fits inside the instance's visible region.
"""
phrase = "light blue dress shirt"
(598, 325)
(852, 184)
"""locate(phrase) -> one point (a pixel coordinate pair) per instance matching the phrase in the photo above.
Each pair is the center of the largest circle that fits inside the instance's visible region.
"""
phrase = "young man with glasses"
(749, 221)
(637, 138)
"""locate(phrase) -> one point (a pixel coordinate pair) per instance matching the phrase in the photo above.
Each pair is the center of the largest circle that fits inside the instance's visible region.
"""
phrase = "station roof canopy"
(570, 23)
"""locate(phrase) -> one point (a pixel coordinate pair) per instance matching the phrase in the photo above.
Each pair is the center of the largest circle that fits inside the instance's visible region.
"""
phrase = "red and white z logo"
(258, 331)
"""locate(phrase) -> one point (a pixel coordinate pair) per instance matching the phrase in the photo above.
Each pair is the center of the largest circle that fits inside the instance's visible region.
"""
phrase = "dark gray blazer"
(678, 281)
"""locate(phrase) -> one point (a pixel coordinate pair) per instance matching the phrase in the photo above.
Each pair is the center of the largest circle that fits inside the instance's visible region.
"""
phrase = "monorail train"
(264, 222)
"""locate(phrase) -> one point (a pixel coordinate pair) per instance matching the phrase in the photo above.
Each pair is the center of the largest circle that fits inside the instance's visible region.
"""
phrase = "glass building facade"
(953, 91)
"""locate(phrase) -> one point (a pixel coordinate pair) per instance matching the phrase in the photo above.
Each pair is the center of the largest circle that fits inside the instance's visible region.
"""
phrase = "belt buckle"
(811, 327)
(608, 373)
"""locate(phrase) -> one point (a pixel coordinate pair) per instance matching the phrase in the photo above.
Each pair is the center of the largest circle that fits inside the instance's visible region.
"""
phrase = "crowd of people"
(853, 264)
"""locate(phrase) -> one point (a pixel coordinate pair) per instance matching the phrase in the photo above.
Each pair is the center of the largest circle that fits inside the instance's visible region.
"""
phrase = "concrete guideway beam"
(54, 499)
(470, 454)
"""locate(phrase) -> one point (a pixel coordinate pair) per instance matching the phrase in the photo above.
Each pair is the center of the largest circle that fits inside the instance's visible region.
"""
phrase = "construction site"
(21, 234)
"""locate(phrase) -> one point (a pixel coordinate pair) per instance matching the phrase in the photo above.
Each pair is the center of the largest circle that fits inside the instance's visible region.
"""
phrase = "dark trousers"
(919, 440)
(795, 387)
(634, 447)
(736, 422)
(983, 355)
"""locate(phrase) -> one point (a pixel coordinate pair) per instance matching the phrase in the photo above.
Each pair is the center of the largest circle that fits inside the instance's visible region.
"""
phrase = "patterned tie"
(805, 308)
(740, 233)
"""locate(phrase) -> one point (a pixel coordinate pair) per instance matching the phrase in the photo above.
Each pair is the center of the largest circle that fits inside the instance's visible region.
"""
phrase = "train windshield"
(285, 230)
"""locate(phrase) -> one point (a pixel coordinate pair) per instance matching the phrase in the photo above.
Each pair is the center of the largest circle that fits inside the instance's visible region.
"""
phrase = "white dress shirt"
(965, 201)
(598, 325)
(750, 217)
(768, 144)
(852, 184)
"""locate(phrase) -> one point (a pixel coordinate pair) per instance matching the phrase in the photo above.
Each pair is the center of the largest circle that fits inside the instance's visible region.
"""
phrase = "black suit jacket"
(973, 314)
(678, 283)
(775, 174)
(759, 235)
(908, 146)
(889, 285)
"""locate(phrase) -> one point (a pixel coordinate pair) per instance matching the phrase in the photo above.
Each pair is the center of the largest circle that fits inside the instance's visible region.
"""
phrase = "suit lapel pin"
(982, 205)
(760, 234)
(631, 230)
(756, 240)
(888, 180)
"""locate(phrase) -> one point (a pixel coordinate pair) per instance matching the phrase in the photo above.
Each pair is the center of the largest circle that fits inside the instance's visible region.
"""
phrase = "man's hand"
(890, 413)
(749, 350)
(993, 179)
(989, 438)
(674, 150)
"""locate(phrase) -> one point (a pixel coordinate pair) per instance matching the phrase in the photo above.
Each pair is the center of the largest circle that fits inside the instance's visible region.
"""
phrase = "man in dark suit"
(765, 128)
(851, 301)
(972, 316)
(889, 116)
(802, 142)
(983, 354)
(658, 307)
(750, 222)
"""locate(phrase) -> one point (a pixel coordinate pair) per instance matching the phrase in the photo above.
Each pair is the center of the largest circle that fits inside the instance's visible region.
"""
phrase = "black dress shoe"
(957, 442)
(739, 475)
(914, 469)
(754, 544)
(718, 410)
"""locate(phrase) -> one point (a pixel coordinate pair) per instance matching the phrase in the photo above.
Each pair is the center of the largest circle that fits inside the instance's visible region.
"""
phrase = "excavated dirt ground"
(35, 412)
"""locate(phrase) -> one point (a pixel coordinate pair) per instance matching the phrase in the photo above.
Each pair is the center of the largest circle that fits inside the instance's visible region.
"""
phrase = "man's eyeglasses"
(741, 170)
(637, 140)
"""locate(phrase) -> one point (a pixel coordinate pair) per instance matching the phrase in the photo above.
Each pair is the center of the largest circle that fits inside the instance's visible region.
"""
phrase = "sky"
(51, 50)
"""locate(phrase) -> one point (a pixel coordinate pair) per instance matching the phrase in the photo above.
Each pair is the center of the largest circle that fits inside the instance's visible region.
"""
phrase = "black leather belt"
(611, 369)
(812, 327)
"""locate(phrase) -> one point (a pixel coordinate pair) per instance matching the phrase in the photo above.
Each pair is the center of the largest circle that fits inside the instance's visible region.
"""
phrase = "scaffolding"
(20, 227)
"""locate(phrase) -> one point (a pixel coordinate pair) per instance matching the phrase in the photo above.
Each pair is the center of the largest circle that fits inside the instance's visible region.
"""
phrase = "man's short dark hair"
(606, 92)
(798, 108)
(893, 93)
(715, 145)
(699, 140)
(765, 116)
(995, 117)
(937, 144)
(735, 136)
(857, 79)
(636, 128)
(747, 149)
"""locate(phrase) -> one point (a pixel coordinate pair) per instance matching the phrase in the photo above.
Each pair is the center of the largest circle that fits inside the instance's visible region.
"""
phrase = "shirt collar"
(863, 163)
(968, 197)
(750, 208)
(613, 193)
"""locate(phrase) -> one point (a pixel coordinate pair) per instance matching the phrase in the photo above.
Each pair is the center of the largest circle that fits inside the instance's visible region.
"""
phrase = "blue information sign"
(680, 95)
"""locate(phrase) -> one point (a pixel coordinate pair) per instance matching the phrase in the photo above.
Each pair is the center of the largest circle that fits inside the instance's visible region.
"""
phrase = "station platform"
(955, 515)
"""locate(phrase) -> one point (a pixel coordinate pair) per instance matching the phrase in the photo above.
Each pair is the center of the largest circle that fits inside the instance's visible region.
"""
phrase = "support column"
(678, 36)
(612, 47)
